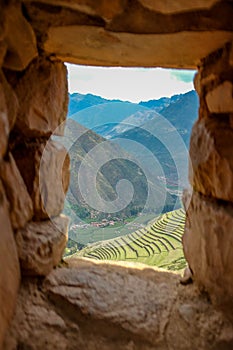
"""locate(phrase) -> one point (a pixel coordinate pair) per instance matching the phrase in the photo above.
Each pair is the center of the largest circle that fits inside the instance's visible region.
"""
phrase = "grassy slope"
(158, 244)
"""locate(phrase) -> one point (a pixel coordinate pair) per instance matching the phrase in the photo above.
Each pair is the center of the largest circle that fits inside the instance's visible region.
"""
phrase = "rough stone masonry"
(79, 304)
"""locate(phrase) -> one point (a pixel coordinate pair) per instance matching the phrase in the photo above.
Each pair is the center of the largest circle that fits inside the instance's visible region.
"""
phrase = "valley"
(127, 172)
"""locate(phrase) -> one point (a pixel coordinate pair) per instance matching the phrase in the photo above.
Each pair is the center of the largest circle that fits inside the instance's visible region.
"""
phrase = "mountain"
(100, 115)
(165, 138)
(78, 102)
(105, 179)
(111, 118)
(161, 103)
(182, 113)
(152, 149)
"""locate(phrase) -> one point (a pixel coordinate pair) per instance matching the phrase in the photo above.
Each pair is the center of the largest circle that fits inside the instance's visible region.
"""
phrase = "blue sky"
(130, 84)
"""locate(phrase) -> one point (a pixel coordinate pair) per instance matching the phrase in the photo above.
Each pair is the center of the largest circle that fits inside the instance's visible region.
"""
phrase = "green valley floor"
(158, 244)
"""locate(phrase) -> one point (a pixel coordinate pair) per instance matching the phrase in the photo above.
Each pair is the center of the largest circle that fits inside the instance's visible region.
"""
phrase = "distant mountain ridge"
(81, 142)
(78, 102)
(157, 141)
(110, 118)
(161, 103)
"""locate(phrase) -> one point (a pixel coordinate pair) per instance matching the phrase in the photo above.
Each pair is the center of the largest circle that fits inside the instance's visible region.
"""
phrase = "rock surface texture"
(88, 305)
(40, 113)
(80, 304)
(21, 208)
(43, 167)
(9, 267)
(41, 245)
(208, 237)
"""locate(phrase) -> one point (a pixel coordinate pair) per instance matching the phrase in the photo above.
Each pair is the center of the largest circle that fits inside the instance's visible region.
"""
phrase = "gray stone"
(43, 95)
(41, 245)
(211, 160)
(21, 207)
(208, 244)
(115, 295)
(45, 170)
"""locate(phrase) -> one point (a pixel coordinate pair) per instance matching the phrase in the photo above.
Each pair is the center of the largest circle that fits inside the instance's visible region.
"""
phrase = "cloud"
(183, 75)
(131, 84)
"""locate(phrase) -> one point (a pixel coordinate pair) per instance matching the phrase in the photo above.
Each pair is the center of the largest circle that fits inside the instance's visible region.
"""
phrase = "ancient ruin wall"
(208, 238)
(34, 38)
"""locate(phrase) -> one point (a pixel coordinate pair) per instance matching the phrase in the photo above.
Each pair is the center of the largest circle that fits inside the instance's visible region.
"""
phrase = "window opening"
(128, 146)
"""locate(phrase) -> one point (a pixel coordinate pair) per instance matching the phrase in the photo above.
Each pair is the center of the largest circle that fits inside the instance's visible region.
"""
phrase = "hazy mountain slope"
(97, 164)
(109, 118)
(183, 113)
(78, 102)
(167, 138)
(105, 113)
(161, 103)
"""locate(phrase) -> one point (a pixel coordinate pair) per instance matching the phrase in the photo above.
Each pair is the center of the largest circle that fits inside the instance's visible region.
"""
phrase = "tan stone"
(104, 8)
(3, 48)
(107, 292)
(211, 161)
(95, 46)
(97, 319)
(4, 123)
(231, 55)
(41, 245)
(208, 244)
(45, 170)
(220, 100)
(43, 96)
(197, 83)
(20, 39)
(9, 268)
(11, 100)
(21, 207)
(171, 6)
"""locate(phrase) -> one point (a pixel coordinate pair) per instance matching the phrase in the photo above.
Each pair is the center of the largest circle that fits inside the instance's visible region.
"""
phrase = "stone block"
(211, 158)
(43, 95)
(231, 55)
(41, 245)
(11, 100)
(104, 8)
(4, 123)
(97, 46)
(3, 48)
(220, 99)
(20, 39)
(170, 6)
(45, 170)
(105, 291)
(21, 207)
(9, 268)
(208, 245)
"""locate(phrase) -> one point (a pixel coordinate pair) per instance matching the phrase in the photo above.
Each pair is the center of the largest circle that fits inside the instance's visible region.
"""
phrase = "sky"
(129, 84)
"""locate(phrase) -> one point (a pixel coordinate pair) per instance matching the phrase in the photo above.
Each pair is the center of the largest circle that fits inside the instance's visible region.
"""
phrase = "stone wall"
(208, 238)
(110, 306)
(33, 105)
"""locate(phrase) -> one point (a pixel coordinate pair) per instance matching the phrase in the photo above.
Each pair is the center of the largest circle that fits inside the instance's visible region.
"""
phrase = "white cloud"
(132, 84)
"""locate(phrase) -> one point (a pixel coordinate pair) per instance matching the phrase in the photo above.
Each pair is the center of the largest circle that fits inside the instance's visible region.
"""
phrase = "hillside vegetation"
(158, 244)
(88, 148)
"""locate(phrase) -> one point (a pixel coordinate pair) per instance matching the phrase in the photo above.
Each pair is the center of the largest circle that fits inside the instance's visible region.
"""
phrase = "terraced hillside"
(159, 244)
